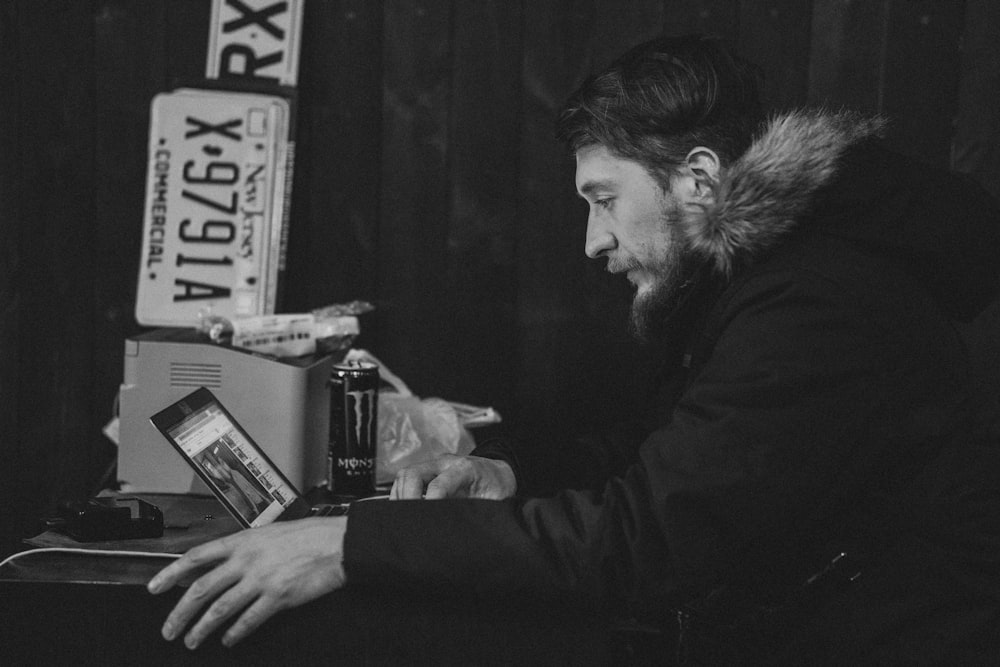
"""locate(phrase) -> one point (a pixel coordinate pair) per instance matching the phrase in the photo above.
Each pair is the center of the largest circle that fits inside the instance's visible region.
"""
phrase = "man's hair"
(664, 97)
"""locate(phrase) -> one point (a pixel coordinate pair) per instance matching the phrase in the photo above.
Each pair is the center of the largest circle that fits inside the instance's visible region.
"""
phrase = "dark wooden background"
(426, 181)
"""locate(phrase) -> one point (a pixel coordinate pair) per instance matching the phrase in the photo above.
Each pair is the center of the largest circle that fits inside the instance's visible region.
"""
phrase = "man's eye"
(603, 203)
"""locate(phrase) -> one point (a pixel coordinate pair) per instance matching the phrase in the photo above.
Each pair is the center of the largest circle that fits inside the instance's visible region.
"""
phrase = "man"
(811, 484)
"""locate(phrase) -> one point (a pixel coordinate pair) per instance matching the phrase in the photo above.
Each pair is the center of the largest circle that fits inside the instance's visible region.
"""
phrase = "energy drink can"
(353, 428)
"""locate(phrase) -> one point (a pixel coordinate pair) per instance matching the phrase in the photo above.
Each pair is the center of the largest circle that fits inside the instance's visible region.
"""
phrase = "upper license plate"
(215, 217)
(255, 40)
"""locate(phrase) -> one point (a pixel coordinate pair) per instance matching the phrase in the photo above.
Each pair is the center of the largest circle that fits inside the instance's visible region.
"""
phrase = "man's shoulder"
(815, 262)
(822, 276)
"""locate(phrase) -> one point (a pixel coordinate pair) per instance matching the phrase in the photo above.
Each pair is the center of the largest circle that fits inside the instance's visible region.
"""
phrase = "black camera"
(104, 519)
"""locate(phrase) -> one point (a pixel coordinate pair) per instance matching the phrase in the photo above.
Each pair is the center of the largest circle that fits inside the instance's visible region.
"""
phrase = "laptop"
(233, 466)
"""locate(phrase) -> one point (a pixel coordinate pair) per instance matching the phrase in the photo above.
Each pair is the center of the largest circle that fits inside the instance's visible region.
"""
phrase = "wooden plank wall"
(427, 182)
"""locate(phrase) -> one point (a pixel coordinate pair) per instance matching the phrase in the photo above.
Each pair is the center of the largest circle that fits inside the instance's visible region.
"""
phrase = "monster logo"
(364, 407)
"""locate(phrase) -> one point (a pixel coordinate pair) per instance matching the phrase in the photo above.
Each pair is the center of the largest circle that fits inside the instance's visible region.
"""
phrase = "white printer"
(282, 403)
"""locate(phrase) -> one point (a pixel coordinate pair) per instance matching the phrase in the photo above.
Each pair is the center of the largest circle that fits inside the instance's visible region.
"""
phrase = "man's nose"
(599, 239)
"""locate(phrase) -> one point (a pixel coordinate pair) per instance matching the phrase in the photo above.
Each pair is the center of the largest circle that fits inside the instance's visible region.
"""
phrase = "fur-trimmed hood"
(818, 168)
(763, 195)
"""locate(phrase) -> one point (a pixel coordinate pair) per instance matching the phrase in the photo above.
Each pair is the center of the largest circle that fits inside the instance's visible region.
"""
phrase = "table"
(60, 608)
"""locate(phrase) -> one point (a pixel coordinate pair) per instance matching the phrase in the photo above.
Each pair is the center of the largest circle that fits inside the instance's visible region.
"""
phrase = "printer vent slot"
(196, 375)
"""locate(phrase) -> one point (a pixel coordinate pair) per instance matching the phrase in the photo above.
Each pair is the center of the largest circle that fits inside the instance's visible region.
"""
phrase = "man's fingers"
(444, 477)
(227, 605)
(452, 476)
(409, 483)
(251, 619)
(449, 483)
(182, 568)
(202, 591)
(397, 491)
(406, 485)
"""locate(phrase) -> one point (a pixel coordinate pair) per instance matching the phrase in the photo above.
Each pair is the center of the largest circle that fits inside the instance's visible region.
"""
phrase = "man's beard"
(651, 309)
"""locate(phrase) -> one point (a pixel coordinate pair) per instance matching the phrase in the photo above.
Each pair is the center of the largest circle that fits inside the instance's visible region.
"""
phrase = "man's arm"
(252, 575)
(796, 397)
(493, 470)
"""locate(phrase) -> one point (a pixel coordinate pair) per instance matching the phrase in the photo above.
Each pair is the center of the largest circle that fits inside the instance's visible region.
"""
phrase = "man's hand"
(451, 476)
(253, 574)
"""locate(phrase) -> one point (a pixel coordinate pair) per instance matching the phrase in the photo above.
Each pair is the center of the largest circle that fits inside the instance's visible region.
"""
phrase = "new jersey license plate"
(216, 214)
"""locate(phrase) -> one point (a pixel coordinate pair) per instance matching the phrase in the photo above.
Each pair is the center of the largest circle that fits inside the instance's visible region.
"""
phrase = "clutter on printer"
(328, 330)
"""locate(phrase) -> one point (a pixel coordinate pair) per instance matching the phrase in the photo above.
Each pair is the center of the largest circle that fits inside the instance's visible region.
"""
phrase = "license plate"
(255, 40)
(216, 213)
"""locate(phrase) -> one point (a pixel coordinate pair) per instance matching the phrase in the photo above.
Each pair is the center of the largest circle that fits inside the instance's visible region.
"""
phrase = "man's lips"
(629, 271)
(618, 269)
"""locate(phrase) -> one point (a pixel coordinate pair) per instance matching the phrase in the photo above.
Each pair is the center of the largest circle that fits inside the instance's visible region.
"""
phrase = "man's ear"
(704, 166)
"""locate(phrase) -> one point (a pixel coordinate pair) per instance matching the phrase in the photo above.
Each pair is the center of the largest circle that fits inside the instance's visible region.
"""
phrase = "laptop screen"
(241, 475)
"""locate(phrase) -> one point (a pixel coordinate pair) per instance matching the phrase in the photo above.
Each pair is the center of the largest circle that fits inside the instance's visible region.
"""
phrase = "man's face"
(633, 222)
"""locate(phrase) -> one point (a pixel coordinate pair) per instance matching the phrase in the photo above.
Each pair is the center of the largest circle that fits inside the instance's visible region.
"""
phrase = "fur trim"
(762, 195)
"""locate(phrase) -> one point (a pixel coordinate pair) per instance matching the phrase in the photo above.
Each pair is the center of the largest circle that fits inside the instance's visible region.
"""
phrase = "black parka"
(822, 403)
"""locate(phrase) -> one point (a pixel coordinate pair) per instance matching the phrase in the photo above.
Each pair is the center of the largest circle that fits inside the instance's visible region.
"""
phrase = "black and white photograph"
(576, 332)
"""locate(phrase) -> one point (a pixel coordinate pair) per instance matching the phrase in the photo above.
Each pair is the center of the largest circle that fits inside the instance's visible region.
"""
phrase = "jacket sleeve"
(597, 456)
(764, 439)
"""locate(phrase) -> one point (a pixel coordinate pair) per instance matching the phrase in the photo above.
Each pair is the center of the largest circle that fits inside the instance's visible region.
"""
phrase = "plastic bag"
(412, 430)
